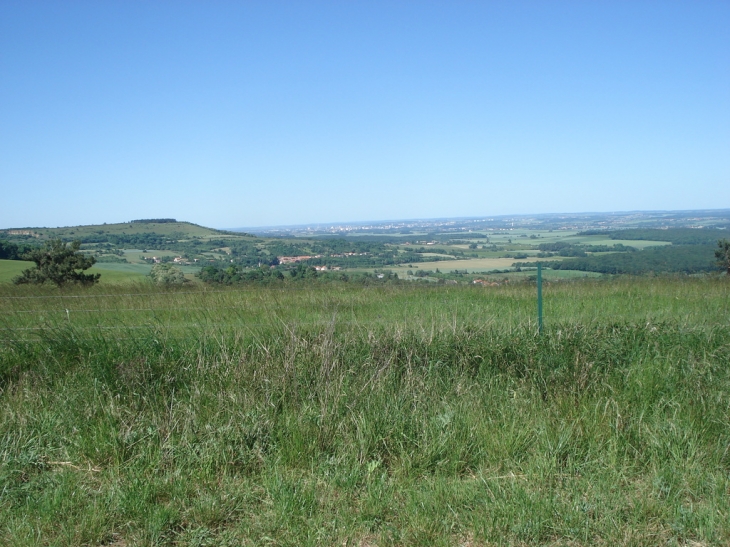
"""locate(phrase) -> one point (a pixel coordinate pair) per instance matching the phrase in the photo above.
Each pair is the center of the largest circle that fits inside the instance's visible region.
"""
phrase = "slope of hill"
(140, 242)
(166, 240)
(94, 232)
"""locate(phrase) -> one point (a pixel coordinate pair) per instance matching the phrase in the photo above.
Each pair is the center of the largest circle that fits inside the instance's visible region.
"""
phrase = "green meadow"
(12, 268)
(389, 415)
(110, 273)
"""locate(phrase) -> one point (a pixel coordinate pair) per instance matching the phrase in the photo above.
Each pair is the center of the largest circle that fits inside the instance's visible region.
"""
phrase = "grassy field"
(471, 265)
(338, 415)
(111, 273)
(598, 240)
(12, 268)
(120, 273)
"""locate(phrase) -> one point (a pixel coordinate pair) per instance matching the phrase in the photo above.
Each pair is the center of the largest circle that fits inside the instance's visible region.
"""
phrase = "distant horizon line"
(384, 221)
(472, 217)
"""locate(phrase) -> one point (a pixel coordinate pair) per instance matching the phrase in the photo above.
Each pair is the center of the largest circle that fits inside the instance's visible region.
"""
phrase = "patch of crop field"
(123, 273)
(553, 237)
(547, 275)
(414, 235)
(119, 273)
(436, 254)
(110, 272)
(555, 274)
(12, 268)
(523, 237)
(599, 240)
(470, 264)
(340, 415)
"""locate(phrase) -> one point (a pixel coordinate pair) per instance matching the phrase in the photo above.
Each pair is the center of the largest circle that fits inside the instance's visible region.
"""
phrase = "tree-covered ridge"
(676, 236)
(330, 252)
(13, 251)
(99, 231)
(563, 248)
(235, 275)
(154, 220)
(668, 258)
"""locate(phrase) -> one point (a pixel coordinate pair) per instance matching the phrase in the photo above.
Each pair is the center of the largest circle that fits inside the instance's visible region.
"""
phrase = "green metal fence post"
(539, 298)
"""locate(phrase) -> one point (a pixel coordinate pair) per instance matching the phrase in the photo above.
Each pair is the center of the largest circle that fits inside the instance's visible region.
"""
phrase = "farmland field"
(115, 273)
(111, 273)
(472, 265)
(394, 415)
(12, 268)
(597, 240)
(124, 251)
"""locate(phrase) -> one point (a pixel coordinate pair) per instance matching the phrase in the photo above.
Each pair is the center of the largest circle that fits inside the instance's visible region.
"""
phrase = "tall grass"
(381, 416)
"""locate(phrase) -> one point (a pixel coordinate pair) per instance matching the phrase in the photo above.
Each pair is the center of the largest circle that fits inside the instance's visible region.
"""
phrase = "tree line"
(235, 275)
(13, 251)
(676, 236)
(668, 258)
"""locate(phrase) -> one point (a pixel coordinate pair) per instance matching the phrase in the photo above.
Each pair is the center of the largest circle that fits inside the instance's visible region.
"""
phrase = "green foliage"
(13, 251)
(167, 274)
(234, 274)
(563, 248)
(298, 274)
(59, 263)
(668, 259)
(677, 236)
(722, 253)
(154, 220)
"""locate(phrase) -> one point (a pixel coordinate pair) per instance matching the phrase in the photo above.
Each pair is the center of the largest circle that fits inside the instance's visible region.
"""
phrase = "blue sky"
(235, 114)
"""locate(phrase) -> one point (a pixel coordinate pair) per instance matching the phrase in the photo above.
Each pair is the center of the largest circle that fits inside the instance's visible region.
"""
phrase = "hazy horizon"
(390, 220)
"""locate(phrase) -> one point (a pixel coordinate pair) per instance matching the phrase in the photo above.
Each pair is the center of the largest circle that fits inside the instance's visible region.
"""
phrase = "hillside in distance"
(145, 242)
(140, 242)
(435, 250)
(161, 227)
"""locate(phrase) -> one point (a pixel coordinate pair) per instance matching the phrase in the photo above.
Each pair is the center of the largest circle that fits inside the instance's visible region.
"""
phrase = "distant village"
(181, 261)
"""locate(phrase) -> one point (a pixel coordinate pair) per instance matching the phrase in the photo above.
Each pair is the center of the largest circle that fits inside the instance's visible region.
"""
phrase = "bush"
(167, 274)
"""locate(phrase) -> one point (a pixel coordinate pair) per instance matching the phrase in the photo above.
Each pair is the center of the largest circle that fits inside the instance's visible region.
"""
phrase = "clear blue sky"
(259, 113)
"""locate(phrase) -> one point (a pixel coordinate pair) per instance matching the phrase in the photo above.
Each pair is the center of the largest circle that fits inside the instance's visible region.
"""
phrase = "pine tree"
(59, 263)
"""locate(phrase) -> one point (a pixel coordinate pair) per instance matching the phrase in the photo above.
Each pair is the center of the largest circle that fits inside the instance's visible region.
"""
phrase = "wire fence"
(251, 289)
(163, 320)
(27, 318)
(110, 310)
(165, 330)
